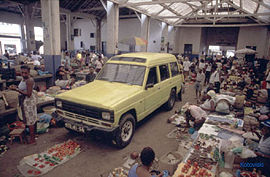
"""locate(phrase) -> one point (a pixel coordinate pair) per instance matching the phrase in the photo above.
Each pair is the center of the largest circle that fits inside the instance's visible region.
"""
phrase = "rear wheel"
(125, 131)
(171, 101)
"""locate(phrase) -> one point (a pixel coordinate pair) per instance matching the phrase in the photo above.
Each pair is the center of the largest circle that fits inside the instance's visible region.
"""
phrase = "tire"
(171, 101)
(121, 137)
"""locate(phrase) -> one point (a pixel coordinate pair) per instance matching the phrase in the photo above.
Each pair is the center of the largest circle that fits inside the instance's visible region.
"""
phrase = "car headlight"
(106, 115)
(59, 104)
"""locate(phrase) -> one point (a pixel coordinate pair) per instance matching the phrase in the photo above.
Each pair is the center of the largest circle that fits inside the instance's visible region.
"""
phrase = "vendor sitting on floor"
(90, 77)
(210, 102)
(195, 114)
(42, 71)
(263, 150)
(147, 157)
(61, 78)
(204, 92)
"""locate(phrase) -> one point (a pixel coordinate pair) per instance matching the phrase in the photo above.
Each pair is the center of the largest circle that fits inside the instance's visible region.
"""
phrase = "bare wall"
(189, 36)
(253, 36)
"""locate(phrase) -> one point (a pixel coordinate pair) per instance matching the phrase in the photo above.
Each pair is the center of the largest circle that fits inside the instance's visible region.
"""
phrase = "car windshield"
(123, 73)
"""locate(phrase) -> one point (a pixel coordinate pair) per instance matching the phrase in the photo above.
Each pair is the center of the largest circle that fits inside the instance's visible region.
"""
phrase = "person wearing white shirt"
(202, 64)
(186, 65)
(208, 72)
(198, 84)
(35, 57)
(99, 64)
(215, 79)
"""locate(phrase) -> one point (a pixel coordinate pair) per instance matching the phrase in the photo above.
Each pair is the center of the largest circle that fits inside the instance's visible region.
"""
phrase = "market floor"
(98, 157)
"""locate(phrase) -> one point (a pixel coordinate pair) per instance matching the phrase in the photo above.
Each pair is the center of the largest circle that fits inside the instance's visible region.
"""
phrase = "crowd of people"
(212, 71)
(87, 61)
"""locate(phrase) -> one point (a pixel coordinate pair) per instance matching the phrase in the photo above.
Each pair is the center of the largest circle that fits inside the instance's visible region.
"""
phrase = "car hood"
(100, 93)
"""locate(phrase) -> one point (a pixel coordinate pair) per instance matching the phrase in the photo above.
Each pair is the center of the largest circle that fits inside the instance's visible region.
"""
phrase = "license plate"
(75, 127)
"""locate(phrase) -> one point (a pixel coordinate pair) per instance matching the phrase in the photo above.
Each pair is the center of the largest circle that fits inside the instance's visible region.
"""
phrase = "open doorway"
(226, 51)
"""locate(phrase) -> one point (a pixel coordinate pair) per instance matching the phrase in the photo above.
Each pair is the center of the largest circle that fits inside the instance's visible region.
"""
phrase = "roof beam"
(159, 2)
(215, 15)
(203, 6)
(170, 9)
(91, 9)
(191, 5)
(34, 10)
(261, 3)
(212, 16)
(243, 10)
(140, 11)
(104, 5)
(138, 16)
(221, 25)
(21, 9)
(257, 8)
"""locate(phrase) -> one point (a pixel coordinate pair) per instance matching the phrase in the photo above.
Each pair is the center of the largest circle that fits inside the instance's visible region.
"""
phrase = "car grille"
(76, 116)
(81, 110)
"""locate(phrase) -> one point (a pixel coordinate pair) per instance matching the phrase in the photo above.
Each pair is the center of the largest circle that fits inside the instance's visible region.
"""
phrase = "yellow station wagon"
(127, 89)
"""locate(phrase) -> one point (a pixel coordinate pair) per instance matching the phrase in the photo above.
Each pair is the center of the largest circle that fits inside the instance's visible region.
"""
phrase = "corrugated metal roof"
(212, 11)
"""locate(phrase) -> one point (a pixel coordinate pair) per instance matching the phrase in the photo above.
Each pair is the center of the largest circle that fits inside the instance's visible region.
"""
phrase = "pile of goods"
(206, 152)
(39, 164)
(65, 150)
(190, 170)
(250, 174)
(119, 172)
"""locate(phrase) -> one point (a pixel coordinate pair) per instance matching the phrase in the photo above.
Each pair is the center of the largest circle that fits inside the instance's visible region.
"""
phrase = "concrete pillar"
(51, 34)
(176, 48)
(98, 35)
(30, 34)
(23, 40)
(145, 27)
(112, 28)
(171, 37)
(69, 32)
(164, 37)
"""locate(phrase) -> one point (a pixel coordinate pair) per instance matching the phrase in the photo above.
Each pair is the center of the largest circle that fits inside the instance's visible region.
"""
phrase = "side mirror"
(149, 86)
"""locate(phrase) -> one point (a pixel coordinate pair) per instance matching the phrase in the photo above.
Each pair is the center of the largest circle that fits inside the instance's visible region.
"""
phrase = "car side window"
(152, 76)
(164, 72)
(174, 69)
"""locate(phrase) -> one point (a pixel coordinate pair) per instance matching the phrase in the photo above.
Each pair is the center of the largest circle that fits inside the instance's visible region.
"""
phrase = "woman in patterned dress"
(27, 101)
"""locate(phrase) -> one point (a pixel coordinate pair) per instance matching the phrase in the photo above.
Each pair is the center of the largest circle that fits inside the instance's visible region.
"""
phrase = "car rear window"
(164, 72)
(174, 69)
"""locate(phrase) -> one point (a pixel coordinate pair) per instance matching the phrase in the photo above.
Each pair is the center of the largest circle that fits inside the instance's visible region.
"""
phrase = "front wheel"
(171, 101)
(125, 131)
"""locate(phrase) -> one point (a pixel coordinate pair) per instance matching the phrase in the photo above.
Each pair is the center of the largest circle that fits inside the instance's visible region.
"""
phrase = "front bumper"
(87, 123)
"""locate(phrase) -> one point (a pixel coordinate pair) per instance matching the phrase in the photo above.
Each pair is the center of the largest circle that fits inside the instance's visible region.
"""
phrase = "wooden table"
(46, 78)
(9, 115)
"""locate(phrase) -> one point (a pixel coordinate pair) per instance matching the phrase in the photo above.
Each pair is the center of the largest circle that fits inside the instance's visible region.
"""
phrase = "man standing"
(186, 66)
(99, 64)
(198, 84)
(6, 54)
(35, 57)
(215, 79)
(208, 72)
